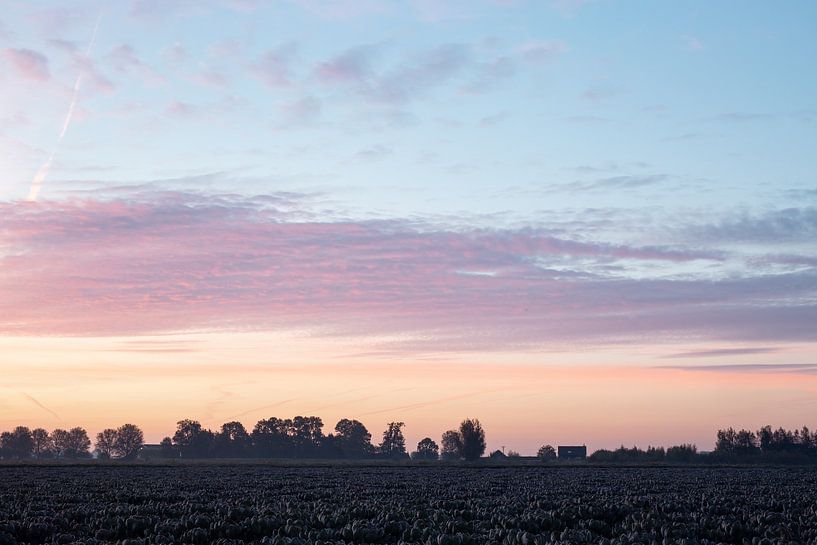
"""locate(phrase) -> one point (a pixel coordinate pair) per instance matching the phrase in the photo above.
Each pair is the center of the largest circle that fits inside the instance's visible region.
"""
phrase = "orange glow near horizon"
(523, 400)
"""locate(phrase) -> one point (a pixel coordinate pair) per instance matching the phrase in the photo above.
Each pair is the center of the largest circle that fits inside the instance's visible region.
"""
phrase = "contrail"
(278, 404)
(43, 407)
(42, 172)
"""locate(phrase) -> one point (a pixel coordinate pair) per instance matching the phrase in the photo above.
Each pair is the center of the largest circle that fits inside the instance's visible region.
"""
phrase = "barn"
(572, 452)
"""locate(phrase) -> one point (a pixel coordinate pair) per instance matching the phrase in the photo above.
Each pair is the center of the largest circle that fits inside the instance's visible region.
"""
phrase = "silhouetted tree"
(682, 453)
(426, 450)
(192, 440)
(629, 455)
(546, 453)
(41, 442)
(353, 439)
(306, 435)
(473, 439)
(393, 444)
(451, 445)
(73, 443)
(104, 446)
(270, 438)
(17, 443)
(232, 441)
(128, 442)
(743, 443)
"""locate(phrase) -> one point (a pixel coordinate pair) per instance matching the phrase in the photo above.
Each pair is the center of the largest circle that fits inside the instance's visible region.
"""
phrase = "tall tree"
(306, 435)
(105, 441)
(192, 440)
(73, 443)
(271, 439)
(394, 444)
(473, 439)
(353, 438)
(233, 441)
(42, 443)
(451, 445)
(128, 441)
(17, 443)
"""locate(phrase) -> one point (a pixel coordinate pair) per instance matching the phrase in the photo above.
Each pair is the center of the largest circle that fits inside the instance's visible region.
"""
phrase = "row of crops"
(431, 506)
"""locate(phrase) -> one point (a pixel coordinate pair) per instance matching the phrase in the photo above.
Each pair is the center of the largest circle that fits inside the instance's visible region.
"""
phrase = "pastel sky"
(581, 221)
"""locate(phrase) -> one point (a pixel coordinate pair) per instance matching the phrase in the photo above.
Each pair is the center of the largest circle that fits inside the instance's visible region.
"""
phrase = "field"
(433, 506)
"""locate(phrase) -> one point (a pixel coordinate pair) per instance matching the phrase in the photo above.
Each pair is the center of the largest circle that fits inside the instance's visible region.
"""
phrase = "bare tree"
(17, 443)
(41, 442)
(105, 441)
(128, 441)
(73, 443)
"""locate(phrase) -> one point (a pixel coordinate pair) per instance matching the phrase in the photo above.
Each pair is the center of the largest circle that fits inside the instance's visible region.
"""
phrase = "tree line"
(123, 443)
(303, 437)
(298, 437)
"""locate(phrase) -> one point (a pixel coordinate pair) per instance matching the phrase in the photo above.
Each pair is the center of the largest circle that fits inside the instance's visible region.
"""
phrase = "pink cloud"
(124, 58)
(274, 66)
(151, 263)
(420, 74)
(343, 9)
(28, 63)
(351, 66)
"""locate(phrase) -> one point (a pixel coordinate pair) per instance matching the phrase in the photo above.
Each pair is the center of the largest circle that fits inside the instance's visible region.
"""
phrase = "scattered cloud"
(155, 262)
(613, 183)
(693, 43)
(178, 108)
(344, 9)
(353, 66)
(29, 64)
(124, 58)
(274, 67)
(762, 368)
(783, 225)
(741, 117)
(494, 119)
(540, 52)
(489, 74)
(720, 352)
(301, 112)
(423, 72)
(568, 8)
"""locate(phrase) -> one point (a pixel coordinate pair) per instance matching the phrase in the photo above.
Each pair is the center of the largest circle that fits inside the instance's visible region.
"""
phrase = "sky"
(580, 221)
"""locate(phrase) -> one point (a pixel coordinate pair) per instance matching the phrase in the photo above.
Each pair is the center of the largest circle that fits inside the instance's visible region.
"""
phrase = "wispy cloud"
(762, 368)
(152, 262)
(29, 64)
(718, 352)
(274, 66)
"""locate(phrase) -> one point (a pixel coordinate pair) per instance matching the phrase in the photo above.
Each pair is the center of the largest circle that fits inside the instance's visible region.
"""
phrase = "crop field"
(432, 506)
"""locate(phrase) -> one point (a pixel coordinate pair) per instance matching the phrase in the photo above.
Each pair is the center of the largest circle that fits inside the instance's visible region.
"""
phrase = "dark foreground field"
(433, 506)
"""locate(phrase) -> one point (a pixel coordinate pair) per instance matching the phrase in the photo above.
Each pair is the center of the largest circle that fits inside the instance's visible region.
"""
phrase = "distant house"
(497, 455)
(572, 452)
(150, 452)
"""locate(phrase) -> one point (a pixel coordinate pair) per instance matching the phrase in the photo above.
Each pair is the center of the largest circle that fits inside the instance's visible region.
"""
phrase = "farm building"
(572, 452)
